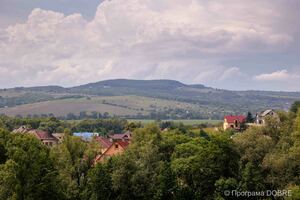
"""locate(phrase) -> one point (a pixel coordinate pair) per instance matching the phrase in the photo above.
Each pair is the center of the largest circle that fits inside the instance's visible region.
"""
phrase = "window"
(116, 146)
(236, 123)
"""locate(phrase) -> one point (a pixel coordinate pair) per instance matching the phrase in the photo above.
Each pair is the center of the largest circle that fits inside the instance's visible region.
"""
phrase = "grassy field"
(114, 105)
(184, 121)
(65, 106)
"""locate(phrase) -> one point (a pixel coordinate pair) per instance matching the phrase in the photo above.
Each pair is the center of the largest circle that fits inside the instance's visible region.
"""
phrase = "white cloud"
(139, 39)
(218, 74)
(281, 75)
(232, 72)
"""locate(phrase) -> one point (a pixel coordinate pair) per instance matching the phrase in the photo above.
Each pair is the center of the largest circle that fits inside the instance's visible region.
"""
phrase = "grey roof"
(265, 112)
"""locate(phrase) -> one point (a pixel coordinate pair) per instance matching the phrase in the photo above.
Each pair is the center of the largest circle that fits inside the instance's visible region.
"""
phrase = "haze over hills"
(140, 99)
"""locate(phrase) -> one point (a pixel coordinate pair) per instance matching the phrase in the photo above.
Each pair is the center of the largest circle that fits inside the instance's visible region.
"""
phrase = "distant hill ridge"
(153, 84)
(197, 98)
(159, 83)
(133, 83)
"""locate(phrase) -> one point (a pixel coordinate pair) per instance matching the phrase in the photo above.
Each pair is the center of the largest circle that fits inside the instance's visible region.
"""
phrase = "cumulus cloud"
(232, 72)
(184, 40)
(281, 75)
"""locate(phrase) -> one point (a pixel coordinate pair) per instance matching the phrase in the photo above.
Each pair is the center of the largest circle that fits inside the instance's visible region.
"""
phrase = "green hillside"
(141, 98)
(124, 106)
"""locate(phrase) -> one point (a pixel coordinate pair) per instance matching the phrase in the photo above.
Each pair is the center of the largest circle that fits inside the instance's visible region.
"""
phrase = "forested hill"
(171, 89)
(162, 96)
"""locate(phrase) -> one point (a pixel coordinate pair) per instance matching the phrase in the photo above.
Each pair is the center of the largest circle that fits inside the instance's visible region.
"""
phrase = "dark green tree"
(51, 125)
(73, 159)
(295, 107)
(28, 172)
(99, 184)
(4, 135)
(249, 118)
(252, 178)
(200, 163)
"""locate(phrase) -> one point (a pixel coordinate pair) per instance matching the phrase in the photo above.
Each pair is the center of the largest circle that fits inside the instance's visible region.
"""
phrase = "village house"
(105, 143)
(121, 137)
(112, 145)
(59, 136)
(234, 122)
(45, 137)
(260, 118)
(115, 148)
(22, 129)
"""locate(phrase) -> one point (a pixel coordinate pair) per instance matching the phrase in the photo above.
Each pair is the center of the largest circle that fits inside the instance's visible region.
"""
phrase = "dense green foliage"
(53, 125)
(27, 172)
(104, 126)
(295, 106)
(177, 163)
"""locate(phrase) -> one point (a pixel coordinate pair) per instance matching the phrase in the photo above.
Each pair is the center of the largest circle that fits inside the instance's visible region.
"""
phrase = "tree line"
(54, 125)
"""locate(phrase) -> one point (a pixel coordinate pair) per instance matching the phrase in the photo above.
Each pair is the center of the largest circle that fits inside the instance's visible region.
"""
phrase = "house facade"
(105, 143)
(115, 148)
(260, 118)
(45, 137)
(59, 136)
(234, 122)
(113, 144)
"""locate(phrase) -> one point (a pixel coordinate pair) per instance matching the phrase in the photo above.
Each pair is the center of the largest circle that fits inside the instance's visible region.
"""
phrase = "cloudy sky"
(230, 44)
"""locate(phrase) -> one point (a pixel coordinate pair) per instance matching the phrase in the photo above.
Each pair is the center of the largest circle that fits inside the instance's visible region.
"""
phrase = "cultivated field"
(114, 105)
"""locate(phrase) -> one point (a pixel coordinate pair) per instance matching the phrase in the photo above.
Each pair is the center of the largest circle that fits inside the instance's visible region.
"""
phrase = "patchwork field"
(114, 105)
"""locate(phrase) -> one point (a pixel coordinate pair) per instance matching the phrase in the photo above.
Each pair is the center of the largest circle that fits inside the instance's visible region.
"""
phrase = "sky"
(229, 44)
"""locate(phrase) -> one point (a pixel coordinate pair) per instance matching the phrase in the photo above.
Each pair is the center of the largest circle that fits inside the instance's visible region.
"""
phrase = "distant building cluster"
(111, 145)
(239, 123)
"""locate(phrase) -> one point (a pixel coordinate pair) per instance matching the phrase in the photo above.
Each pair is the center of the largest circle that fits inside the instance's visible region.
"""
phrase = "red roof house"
(114, 149)
(105, 143)
(45, 137)
(234, 122)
